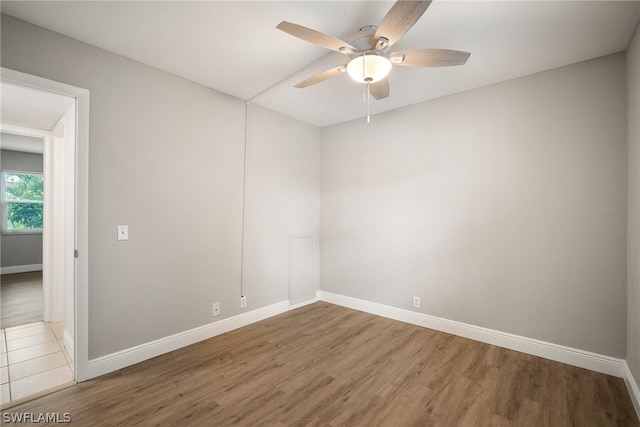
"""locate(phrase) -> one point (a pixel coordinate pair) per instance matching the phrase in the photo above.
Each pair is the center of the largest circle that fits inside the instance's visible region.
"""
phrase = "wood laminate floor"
(325, 365)
(20, 299)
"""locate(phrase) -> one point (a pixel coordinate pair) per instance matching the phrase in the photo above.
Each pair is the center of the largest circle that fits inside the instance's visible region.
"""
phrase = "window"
(22, 201)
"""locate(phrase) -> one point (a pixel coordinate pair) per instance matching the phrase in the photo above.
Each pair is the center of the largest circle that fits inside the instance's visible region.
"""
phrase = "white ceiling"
(26, 144)
(234, 47)
(31, 108)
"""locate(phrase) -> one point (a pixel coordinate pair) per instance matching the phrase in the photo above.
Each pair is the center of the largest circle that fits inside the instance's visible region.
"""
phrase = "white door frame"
(81, 291)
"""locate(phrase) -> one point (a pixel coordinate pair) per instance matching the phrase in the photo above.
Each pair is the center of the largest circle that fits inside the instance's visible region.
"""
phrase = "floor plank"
(325, 365)
(20, 299)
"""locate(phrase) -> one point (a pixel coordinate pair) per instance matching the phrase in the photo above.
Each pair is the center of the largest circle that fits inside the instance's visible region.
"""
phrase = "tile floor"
(34, 360)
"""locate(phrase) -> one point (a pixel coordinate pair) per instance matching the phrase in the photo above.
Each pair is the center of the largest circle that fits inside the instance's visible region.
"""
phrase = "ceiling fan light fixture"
(368, 68)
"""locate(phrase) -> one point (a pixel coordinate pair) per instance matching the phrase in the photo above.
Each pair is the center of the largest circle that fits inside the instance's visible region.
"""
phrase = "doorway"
(63, 128)
(21, 211)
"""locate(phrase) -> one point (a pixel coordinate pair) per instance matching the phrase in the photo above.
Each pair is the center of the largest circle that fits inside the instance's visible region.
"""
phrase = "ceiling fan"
(368, 49)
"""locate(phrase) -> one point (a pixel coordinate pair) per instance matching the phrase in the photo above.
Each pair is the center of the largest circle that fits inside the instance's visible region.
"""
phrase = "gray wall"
(282, 199)
(633, 212)
(20, 249)
(502, 207)
(166, 158)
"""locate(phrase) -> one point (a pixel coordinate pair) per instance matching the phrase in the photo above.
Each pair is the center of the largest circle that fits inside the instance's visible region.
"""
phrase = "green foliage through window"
(22, 196)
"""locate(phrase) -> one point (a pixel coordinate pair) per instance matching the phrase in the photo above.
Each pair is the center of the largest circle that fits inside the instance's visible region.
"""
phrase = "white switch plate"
(123, 232)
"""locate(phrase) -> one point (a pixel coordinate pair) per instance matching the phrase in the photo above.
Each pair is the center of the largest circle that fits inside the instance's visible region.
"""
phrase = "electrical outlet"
(243, 301)
(416, 302)
(215, 310)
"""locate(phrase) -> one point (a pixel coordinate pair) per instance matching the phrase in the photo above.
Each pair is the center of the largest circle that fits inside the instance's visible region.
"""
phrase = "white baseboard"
(12, 269)
(633, 386)
(571, 356)
(580, 358)
(130, 356)
(583, 359)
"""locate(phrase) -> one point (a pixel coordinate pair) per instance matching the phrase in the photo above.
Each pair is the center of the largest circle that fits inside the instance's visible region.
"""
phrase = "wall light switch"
(123, 232)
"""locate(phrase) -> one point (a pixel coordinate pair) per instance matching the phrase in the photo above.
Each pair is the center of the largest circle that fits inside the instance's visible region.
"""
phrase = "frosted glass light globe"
(369, 68)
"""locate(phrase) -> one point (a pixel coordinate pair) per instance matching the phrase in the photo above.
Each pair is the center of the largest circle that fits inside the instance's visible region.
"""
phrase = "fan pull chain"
(364, 90)
(368, 102)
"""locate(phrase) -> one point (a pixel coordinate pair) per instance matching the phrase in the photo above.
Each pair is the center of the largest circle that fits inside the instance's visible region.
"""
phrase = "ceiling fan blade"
(380, 89)
(315, 37)
(400, 18)
(429, 58)
(318, 78)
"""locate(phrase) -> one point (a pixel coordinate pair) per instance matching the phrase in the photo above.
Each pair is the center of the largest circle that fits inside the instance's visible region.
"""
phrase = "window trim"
(5, 204)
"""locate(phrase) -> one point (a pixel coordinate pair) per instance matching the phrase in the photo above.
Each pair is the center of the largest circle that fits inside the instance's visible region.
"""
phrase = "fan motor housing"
(365, 42)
